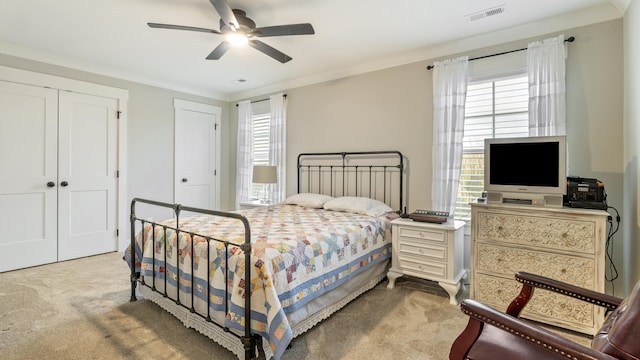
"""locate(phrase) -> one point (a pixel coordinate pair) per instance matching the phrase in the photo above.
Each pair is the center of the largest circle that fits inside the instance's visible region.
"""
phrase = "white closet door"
(28, 162)
(196, 154)
(87, 175)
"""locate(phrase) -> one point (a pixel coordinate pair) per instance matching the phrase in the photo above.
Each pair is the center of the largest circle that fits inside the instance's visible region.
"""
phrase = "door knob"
(64, 183)
(51, 184)
(184, 180)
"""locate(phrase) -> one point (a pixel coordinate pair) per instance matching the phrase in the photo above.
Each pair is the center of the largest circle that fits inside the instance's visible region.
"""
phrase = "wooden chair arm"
(532, 281)
(482, 314)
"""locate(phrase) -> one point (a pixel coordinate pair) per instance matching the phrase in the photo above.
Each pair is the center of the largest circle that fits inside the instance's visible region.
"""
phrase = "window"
(260, 156)
(497, 108)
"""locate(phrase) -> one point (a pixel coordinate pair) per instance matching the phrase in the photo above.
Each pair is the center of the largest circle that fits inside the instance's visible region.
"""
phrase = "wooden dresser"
(560, 243)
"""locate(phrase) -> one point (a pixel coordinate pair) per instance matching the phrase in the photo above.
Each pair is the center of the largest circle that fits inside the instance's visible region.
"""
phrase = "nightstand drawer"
(407, 233)
(415, 266)
(422, 249)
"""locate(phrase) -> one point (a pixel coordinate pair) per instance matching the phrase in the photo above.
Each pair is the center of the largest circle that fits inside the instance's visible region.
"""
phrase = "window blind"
(261, 124)
(497, 108)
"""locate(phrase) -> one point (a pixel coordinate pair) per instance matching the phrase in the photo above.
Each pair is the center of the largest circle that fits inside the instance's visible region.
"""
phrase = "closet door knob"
(51, 184)
(184, 180)
(64, 183)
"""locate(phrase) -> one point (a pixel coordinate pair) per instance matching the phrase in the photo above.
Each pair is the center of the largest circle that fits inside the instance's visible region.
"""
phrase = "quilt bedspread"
(298, 254)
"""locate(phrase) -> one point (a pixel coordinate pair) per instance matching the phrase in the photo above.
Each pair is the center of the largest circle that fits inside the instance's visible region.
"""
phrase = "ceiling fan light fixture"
(239, 30)
(237, 39)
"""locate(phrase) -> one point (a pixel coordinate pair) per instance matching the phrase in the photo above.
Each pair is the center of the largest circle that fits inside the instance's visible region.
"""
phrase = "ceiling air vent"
(497, 10)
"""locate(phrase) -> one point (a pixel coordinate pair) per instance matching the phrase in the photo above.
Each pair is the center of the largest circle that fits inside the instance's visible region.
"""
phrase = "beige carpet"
(80, 309)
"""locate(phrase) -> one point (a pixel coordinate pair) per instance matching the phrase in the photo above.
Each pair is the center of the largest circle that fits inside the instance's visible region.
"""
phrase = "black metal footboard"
(249, 341)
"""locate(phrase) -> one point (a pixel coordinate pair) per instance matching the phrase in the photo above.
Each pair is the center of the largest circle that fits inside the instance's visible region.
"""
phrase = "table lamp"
(265, 174)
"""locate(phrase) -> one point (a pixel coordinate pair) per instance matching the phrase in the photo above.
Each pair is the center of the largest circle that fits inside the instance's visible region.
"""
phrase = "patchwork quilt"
(298, 253)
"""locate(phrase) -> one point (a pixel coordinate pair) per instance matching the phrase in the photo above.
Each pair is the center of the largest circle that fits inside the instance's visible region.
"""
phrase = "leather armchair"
(491, 334)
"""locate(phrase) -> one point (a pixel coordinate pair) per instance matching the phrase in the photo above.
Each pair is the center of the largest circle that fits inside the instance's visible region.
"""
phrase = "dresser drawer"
(426, 251)
(413, 233)
(506, 261)
(416, 266)
(554, 233)
(545, 306)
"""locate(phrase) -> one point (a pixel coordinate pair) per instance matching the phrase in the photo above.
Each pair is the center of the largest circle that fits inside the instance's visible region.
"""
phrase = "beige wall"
(392, 109)
(631, 220)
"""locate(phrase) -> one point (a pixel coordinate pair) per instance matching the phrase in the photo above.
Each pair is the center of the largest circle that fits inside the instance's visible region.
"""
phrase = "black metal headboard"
(374, 174)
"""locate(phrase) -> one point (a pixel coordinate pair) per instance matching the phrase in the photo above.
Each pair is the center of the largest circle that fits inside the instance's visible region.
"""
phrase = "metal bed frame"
(321, 172)
(343, 173)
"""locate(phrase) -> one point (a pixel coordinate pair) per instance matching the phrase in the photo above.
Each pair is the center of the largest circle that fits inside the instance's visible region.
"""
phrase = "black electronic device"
(585, 193)
(431, 216)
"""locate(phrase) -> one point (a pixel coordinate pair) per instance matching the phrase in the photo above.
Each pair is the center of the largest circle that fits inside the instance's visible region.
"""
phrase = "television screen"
(530, 164)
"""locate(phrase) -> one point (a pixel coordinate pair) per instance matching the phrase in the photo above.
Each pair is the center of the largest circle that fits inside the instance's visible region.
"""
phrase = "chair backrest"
(618, 336)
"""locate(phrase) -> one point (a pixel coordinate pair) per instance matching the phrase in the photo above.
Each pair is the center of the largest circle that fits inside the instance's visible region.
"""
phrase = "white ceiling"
(110, 37)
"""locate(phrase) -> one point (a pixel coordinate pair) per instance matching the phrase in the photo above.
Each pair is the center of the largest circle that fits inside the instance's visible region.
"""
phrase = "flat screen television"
(526, 165)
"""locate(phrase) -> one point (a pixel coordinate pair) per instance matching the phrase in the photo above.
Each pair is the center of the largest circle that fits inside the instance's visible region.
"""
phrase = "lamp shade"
(265, 174)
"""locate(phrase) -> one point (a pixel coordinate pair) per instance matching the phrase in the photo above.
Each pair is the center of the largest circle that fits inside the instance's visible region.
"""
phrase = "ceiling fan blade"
(225, 12)
(268, 50)
(283, 30)
(217, 53)
(181, 27)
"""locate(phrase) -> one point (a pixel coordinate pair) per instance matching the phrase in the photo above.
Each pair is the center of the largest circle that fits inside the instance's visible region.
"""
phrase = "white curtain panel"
(277, 145)
(244, 161)
(546, 66)
(449, 96)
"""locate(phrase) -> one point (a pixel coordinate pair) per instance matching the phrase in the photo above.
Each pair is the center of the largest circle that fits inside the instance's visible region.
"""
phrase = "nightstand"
(428, 251)
(255, 204)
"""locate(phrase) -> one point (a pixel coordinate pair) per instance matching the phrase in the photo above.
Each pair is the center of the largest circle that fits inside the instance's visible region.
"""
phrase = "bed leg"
(257, 340)
(248, 343)
(134, 280)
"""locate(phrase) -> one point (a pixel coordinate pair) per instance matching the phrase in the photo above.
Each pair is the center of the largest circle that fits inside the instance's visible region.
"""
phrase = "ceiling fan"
(241, 30)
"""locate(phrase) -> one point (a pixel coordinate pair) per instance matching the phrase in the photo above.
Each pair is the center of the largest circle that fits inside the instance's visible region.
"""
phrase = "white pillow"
(358, 205)
(308, 200)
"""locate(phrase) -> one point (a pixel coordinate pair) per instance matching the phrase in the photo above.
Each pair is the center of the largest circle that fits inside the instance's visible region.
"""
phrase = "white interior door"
(87, 175)
(196, 154)
(28, 162)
